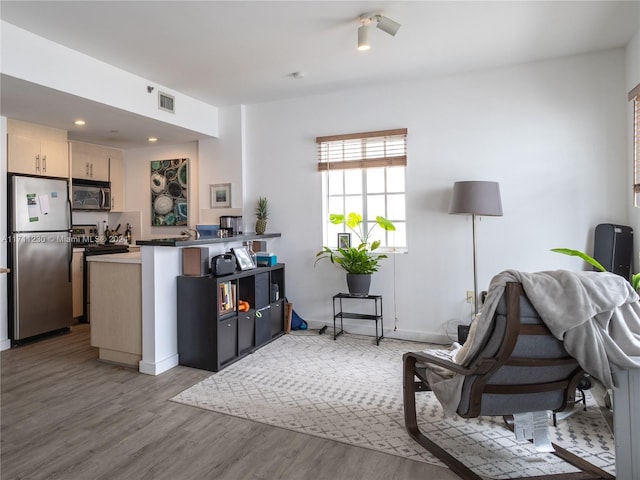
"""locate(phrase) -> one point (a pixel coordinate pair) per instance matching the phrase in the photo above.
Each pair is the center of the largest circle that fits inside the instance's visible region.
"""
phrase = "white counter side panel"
(160, 267)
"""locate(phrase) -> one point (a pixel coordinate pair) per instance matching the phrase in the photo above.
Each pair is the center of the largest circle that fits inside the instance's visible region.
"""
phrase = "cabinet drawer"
(227, 339)
(263, 325)
(277, 317)
(246, 322)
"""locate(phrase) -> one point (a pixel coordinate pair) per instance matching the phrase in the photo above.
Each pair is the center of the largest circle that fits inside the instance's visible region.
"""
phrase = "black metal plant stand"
(341, 314)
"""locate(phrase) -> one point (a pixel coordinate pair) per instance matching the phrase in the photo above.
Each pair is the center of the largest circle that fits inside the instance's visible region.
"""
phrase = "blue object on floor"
(297, 323)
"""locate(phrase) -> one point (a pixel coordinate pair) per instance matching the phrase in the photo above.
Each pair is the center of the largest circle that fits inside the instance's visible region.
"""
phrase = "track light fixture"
(387, 25)
(383, 23)
(363, 37)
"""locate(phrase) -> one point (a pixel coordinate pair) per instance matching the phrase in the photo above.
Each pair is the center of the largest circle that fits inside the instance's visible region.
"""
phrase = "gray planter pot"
(358, 284)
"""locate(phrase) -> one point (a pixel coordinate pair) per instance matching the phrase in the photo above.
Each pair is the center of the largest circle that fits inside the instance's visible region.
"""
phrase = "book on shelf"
(227, 297)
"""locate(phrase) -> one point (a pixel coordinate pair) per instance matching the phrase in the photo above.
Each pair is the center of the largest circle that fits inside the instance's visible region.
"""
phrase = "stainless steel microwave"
(89, 195)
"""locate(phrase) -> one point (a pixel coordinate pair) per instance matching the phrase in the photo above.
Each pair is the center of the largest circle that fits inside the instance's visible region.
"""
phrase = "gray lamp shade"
(476, 197)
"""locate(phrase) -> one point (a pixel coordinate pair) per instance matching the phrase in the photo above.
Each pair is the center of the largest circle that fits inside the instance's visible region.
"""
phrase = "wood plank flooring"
(66, 415)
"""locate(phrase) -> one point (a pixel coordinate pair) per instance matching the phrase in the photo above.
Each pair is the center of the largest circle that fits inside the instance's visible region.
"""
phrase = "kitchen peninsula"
(116, 310)
(161, 265)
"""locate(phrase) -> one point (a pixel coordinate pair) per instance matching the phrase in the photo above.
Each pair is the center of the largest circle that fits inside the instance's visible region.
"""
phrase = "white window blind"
(385, 148)
(635, 96)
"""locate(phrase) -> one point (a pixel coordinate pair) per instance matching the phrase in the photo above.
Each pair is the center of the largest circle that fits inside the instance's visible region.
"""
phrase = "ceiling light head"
(363, 38)
(383, 23)
(387, 25)
(152, 139)
(79, 122)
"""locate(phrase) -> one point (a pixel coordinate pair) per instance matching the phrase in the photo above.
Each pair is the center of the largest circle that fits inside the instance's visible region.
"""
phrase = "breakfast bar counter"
(202, 241)
(161, 262)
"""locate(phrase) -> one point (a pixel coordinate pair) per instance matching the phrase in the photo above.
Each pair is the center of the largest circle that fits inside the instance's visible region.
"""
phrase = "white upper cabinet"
(37, 150)
(89, 162)
(116, 176)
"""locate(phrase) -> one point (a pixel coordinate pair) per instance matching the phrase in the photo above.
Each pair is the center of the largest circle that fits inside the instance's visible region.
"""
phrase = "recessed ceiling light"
(79, 122)
(152, 139)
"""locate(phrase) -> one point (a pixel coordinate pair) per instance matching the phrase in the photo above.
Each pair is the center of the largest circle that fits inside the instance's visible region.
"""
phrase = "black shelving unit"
(341, 314)
(212, 333)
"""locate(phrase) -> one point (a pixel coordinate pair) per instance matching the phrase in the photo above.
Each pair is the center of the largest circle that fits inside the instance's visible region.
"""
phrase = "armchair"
(519, 367)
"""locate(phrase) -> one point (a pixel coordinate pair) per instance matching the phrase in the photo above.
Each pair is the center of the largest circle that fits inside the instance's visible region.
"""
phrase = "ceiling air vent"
(166, 102)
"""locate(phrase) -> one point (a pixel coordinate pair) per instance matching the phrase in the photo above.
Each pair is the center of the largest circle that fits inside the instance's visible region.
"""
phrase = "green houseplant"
(262, 215)
(635, 278)
(359, 261)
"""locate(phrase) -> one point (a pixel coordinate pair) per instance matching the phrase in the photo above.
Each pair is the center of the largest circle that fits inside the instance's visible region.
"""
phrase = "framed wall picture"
(169, 192)
(220, 195)
(243, 258)
(344, 240)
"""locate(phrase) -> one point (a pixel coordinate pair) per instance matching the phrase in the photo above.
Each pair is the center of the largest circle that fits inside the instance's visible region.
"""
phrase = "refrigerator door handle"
(70, 209)
(70, 260)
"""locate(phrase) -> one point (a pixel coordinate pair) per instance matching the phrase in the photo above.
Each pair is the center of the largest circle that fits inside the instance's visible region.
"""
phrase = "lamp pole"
(475, 267)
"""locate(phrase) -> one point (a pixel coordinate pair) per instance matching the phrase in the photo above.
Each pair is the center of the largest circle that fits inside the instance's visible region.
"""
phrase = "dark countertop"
(184, 241)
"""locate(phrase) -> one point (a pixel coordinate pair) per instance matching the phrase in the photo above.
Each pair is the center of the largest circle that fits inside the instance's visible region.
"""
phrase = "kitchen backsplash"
(113, 220)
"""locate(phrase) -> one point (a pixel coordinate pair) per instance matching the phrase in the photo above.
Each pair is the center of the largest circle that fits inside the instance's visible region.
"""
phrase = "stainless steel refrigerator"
(40, 256)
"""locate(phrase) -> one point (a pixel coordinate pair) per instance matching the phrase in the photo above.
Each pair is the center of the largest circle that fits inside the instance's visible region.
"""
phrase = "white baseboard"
(5, 345)
(367, 327)
(158, 367)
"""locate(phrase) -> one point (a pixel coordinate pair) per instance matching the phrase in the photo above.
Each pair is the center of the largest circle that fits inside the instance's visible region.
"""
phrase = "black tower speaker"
(613, 248)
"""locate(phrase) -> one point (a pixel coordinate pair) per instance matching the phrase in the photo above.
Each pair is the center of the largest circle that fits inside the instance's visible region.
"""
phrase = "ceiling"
(244, 52)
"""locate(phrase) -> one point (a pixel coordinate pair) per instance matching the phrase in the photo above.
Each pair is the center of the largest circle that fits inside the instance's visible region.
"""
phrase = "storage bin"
(265, 259)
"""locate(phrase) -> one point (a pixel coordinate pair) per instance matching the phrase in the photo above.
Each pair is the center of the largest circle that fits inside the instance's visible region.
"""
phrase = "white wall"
(138, 189)
(552, 133)
(633, 78)
(211, 161)
(221, 161)
(35, 59)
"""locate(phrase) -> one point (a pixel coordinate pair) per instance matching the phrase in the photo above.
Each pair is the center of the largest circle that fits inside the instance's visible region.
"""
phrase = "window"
(635, 96)
(365, 173)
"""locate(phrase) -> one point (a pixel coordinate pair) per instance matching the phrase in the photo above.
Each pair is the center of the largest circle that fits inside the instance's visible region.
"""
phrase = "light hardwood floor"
(66, 415)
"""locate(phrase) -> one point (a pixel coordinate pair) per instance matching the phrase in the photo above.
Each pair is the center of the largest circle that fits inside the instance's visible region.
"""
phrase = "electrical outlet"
(470, 296)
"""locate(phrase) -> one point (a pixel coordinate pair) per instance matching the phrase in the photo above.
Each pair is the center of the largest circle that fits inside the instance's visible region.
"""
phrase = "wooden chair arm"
(422, 357)
(473, 369)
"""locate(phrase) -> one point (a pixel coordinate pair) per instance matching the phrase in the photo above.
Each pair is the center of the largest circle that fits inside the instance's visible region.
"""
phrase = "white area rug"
(350, 391)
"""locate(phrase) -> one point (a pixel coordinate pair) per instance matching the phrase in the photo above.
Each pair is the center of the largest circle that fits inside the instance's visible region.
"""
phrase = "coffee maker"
(227, 223)
(231, 224)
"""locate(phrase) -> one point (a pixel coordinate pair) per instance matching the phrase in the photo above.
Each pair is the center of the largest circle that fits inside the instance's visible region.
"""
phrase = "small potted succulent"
(359, 261)
(262, 215)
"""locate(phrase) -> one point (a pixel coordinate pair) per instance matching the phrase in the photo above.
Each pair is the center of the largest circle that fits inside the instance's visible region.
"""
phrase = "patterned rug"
(350, 391)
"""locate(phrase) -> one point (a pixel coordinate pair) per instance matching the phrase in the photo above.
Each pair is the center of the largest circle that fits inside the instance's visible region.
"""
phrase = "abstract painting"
(169, 192)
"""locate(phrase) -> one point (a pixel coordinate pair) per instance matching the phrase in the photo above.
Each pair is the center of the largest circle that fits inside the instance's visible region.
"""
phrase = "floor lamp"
(476, 198)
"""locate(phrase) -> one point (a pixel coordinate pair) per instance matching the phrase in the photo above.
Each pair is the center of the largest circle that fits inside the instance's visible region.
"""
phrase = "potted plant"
(635, 278)
(359, 261)
(262, 215)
